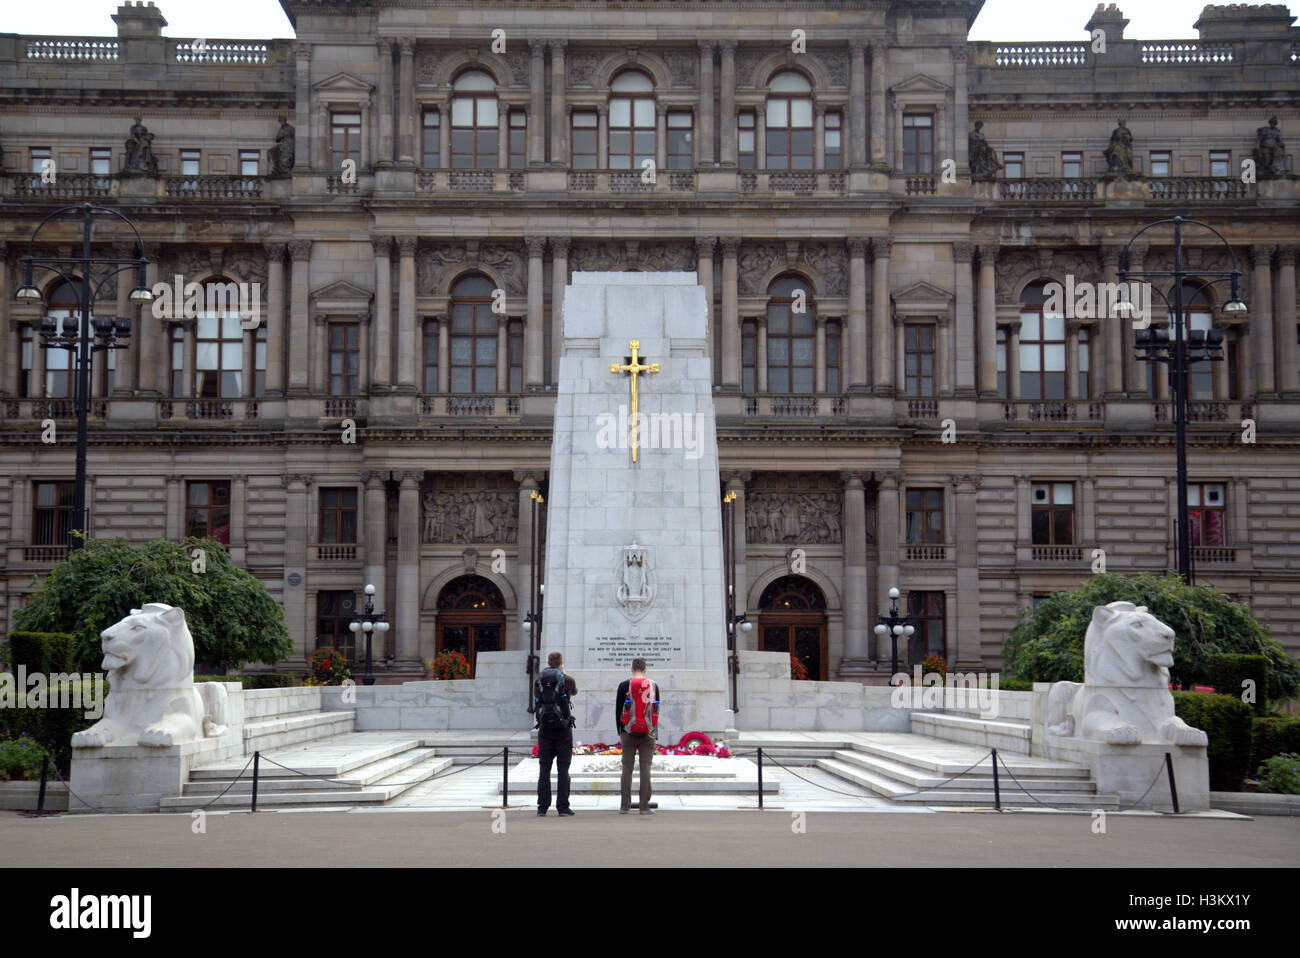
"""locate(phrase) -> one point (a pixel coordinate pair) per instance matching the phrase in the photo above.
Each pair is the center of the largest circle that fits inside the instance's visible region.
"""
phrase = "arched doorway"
(792, 618)
(471, 618)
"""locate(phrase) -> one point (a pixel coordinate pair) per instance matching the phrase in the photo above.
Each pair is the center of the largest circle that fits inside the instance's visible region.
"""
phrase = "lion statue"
(1124, 698)
(152, 698)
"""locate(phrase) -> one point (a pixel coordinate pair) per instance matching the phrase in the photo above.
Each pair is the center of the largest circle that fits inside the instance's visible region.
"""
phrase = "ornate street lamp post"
(895, 626)
(733, 620)
(76, 336)
(1155, 345)
(533, 618)
(369, 622)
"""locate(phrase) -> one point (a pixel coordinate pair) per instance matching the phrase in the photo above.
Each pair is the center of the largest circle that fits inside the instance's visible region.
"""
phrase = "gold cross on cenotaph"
(635, 368)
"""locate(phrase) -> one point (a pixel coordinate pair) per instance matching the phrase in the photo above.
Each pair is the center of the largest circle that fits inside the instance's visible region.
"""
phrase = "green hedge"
(263, 680)
(47, 652)
(1274, 735)
(52, 728)
(1226, 720)
(1007, 684)
(1230, 670)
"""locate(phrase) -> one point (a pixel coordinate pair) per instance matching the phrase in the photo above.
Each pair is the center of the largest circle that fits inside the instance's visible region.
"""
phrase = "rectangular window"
(431, 356)
(918, 359)
(338, 516)
(39, 155)
(832, 355)
(345, 358)
(473, 348)
(518, 139)
(219, 356)
(190, 161)
(834, 141)
(1072, 165)
(748, 354)
(681, 148)
(586, 155)
(429, 143)
(1013, 165)
(515, 345)
(178, 361)
(1001, 349)
(1160, 162)
(101, 161)
(259, 361)
(745, 149)
(918, 143)
(1052, 513)
(1042, 355)
(1206, 514)
(207, 511)
(1085, 363)
(1220, 162)
(249, 163)
(52, 513)
(345, 139)
(925, 613)
(334, 612)
(924, 517)
(27, 341)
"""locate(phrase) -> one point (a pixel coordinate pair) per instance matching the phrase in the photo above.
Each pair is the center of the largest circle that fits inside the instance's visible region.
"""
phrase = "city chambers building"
(877, 206)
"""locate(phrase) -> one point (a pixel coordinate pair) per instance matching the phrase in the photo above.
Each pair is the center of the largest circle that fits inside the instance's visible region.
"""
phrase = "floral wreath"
(692, 743)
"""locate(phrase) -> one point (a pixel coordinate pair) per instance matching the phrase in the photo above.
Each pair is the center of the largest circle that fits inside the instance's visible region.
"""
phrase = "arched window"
(219, 344)
(471, 618)
(1042, 347)
(474, 121)
(1198, 308)
(59, 362)
(789, 122)
(792, 618)
(791, 336)
(473, 336)
(631, 121)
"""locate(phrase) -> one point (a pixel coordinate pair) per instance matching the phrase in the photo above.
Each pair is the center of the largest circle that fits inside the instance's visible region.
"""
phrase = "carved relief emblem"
(636, 582)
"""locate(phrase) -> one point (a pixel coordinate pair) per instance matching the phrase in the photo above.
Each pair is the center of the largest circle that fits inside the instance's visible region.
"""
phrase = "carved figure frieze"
(469, 517)
(826, 262)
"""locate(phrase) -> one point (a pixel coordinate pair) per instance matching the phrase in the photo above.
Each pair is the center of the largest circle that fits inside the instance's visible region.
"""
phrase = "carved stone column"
(602, 136)
(385, 46)
(887, 544)
(408, 572)
(407, 346)
(965, 652)
(1261, 322)
(274, 320)
(536, 298)
(365, 333)
(529, 482)
(1114, 335)
(503, 353)
(175, 508)
(960, 108)
(731, 367)
(819, 354)
(704, 247)
(661, 137)
(537, 104)
(406, 108)
(879, 141)
(760, 355)
(444, 353)
(857, 152)
(1135, 375)
(126, 361)
(1288, 376)
(727, 105)
(559, 279)
(155, 347)
(882, 333)
(11, 360)
(299, 328)
(294, 595)
(819, 136)
(238, 512)
(302, 107)
(857, 331)
(856, 624)
(988, 323)
(375, 520)
(1072, 359)
(320, 382)
(961, 333)
(704, 136)
(1013, 360)
(383, 374)
(559, 128)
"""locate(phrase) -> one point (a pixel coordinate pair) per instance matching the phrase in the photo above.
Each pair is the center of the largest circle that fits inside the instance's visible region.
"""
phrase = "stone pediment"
(922, 299)
(343, 83)
(920, 84)
(341, 298)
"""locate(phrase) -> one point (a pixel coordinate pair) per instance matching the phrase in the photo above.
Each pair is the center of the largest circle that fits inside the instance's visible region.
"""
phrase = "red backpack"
(640, 708)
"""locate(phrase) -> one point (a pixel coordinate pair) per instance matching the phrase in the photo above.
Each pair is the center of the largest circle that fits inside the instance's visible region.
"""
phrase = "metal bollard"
(257, 758)
(45, 777)
(760, 778)
(505, 776)
(997, 791)
(1173, 787)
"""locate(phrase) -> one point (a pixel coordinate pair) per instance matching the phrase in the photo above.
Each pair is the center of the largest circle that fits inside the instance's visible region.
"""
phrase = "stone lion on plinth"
(152, 699)
(1124, 698)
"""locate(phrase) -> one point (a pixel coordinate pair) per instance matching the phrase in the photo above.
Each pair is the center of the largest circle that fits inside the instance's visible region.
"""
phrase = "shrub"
(327, 666)
(797, 669)
(934, 663)
(1014, 685)
(20, 759)
(260, 680)
(1047, 644)
(45, 652)
(1273, 735)
(1281, 773)
(449, 664)
(1230, 671)
(1226, 720)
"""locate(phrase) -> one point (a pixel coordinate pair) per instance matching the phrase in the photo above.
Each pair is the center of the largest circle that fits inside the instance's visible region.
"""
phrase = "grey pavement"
(673, 837)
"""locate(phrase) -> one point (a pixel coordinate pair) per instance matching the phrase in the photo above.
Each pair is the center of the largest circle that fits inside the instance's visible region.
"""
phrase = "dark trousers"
(634, 745)
(554, 745)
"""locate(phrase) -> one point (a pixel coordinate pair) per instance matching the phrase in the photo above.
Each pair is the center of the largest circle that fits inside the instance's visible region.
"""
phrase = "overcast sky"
(237, 19)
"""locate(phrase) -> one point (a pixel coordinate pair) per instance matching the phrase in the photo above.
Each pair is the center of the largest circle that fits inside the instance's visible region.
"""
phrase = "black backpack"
(552, 700)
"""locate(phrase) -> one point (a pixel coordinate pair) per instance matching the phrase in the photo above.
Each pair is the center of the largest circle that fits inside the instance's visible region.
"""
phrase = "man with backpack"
(553, 693)
(636, 711)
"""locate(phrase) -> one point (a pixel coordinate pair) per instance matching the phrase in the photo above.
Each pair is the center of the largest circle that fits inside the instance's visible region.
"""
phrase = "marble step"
(330, 758)
(660, 786)
(1011, 796)
(356, 778)
(941, 757)
(980, 776)
(296, 727)
(376, 793)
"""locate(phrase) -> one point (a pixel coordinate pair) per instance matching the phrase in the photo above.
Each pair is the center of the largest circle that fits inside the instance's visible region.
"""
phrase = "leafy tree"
(232, 617)
(1047, 644)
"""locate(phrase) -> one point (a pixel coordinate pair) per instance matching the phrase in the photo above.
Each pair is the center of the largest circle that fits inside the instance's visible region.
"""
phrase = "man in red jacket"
(636, 712)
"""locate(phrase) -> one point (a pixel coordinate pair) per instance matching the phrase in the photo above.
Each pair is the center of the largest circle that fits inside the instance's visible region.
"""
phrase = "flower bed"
(692, 743)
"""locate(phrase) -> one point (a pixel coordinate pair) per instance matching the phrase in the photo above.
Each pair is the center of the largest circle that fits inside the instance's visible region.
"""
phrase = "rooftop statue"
(1119, 154)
